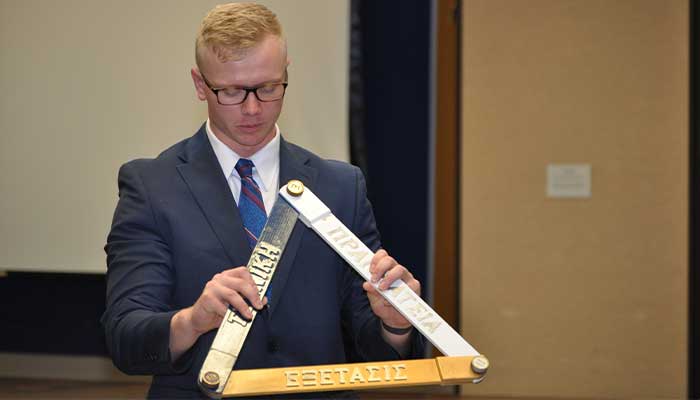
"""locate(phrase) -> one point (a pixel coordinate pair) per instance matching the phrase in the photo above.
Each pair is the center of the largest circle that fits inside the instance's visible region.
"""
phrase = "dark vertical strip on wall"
(395, 65)
(458, 179)
(358, 147)
(694, 208)
(445, 274)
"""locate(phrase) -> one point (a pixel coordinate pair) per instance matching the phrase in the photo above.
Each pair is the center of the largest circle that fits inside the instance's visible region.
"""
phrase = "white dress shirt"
(265, 173)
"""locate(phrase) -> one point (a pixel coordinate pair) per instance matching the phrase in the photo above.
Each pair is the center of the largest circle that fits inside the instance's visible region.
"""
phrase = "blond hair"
(231, 29)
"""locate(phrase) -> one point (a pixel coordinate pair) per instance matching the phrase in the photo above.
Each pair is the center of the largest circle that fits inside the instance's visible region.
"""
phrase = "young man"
(187, 221)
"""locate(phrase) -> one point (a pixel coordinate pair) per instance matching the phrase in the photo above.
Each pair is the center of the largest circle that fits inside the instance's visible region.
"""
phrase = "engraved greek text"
(292, 378)
(431, 326)
(411, 305)
(308, 377)
(357, 255)
(339, 234)
(398, 369)
(350, 244)
(326, 377)
(341, 374)
(269, 250)
(263, 264)
(372, 377)
(357, 376)
(235, 318)
(368, 374)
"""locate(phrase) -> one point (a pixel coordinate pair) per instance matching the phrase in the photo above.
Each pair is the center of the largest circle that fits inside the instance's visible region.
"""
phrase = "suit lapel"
(202, 173)
(293, 165)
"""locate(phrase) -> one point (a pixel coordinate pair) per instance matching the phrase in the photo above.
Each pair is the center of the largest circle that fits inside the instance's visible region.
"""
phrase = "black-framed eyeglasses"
(231, 96)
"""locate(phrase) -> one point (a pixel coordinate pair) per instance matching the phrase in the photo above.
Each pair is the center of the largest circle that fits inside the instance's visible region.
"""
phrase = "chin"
(257, 136)
(251, 140)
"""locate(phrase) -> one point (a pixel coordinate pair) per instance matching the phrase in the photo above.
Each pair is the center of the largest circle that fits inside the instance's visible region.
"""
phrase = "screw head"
(480, 364)
(211, 380)
(295, 187)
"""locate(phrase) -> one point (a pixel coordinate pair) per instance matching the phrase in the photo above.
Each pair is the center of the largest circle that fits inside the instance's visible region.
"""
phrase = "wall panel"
(576, 297)
(88, 85)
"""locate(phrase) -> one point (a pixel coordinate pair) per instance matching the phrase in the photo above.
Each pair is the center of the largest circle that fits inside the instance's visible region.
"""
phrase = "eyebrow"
(282, 80)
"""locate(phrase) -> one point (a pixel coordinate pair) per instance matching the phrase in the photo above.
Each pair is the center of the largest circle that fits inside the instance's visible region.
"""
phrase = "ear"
(199, 86)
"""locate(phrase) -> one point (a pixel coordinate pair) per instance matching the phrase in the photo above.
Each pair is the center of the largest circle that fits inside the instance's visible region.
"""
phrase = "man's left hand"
(385, 270)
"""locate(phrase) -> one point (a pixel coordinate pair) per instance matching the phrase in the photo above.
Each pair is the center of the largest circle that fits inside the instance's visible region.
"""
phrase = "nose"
(251, 105)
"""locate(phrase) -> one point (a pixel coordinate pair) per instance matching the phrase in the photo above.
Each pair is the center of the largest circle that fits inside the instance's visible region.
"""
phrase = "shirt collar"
(266, 160)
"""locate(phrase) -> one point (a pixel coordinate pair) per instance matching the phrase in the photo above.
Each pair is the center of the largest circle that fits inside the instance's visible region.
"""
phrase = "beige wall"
(578, 297)
(90, 84)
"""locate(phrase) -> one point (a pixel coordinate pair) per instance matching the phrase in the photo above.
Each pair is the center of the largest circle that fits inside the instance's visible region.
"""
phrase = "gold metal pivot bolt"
(210, 380)
(295, 187)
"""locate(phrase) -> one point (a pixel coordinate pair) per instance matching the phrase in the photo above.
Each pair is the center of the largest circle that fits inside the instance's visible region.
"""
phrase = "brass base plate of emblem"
(359, 376)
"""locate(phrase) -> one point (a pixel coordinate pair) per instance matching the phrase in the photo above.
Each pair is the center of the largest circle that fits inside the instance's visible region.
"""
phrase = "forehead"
(262, 63)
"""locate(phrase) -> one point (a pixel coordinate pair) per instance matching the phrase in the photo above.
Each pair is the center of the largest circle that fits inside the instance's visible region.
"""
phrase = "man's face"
(249, 126)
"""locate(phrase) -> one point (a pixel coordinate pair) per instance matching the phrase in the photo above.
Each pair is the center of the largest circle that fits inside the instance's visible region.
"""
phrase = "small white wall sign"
(569, 180)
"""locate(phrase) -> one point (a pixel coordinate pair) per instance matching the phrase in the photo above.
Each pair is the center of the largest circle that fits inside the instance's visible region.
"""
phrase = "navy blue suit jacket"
(177, 224)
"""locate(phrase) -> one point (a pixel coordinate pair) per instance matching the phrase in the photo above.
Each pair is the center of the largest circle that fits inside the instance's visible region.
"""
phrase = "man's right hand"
(234, 286)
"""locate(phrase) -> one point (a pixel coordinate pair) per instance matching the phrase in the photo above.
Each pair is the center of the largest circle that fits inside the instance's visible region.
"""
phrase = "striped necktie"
(250, 202)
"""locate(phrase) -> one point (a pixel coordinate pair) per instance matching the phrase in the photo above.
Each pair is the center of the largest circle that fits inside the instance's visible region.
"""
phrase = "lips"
(250, 127)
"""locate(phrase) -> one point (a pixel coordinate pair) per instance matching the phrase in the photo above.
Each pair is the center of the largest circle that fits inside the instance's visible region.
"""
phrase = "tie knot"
(244, 167)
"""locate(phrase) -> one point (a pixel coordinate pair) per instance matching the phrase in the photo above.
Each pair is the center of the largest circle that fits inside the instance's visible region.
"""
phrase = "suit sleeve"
(139, 283)
(367, 342)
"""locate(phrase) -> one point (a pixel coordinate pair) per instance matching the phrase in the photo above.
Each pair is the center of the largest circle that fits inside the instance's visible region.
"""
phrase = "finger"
(374, 297)
(212, 304)
(243, 284)
(241, 273)
(251, 294)
(397, 272)
(231, 291)
(237, 302)
(414, 284)
(235, 271)
(252, 291)
(383, 265)
(368, 287)
(379, 255)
